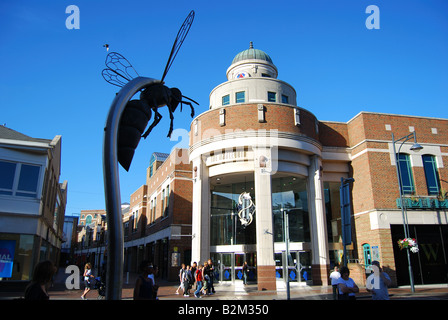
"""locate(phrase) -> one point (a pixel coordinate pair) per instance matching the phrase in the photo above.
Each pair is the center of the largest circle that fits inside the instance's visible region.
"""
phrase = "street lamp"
(286, 234)
(415, 147)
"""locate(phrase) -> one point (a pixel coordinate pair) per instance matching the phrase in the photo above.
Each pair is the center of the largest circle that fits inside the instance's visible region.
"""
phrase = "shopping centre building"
(258, 157)
(260, 169)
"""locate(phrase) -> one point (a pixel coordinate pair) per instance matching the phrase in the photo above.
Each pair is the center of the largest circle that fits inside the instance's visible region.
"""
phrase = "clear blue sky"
(51, 82)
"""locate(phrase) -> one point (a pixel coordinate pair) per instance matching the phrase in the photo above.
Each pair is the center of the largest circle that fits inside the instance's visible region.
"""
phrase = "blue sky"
(51, 80)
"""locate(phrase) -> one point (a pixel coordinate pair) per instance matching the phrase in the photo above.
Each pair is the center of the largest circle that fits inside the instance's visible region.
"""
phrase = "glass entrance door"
(229, 266)
(239, 261)
(297, 266)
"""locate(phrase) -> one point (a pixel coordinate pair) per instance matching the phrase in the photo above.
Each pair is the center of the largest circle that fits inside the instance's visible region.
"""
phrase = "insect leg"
(191, 106)
(171, 121)
(157, 118)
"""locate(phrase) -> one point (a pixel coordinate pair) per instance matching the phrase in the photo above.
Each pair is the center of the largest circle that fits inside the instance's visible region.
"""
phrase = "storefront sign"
(7, 248)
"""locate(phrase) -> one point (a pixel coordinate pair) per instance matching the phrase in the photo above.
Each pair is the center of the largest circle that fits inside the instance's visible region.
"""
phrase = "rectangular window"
(240, 97)
(405, 170)
(29, 176)
(7, 174)
(272, 97)
(163, 202)
(19, 179)
(226, 100)
(151, 215)
(431, 174)
(167, 200)
(285, 99)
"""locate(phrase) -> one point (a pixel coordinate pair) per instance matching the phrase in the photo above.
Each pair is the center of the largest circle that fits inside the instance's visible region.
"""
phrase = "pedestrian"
(144, 286)
(42, 279)
(199, 279)
(205, 279)
(186, 281)
(211, 274)
(346, 286)
(378, 282)
(245, 272)
(181, 273)
(152, 275)
(194, 267)
(87, 277)
(334, 277)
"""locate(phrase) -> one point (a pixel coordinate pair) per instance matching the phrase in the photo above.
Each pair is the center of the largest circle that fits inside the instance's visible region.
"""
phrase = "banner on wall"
(7, 248)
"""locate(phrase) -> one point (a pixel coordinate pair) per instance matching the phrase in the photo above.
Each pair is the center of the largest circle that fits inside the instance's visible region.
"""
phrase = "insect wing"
(119, 70)
(183, 31)
(114, 78)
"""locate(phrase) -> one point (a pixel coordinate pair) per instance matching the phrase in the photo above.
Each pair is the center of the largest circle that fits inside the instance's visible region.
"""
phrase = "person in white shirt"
(346, 286)
(334, 276)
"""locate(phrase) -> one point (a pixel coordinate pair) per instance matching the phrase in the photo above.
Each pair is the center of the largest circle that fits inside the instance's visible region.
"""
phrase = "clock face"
(241, 75)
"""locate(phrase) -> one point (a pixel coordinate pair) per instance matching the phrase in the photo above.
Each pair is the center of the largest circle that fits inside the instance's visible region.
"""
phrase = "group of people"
(198, 278)
(344, 288)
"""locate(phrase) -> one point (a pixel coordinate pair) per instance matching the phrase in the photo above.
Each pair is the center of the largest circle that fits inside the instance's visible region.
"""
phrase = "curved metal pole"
(115, 247)
(403, 207)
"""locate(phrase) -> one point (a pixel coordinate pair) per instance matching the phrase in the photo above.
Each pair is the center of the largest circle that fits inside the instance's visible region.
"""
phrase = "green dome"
(252, 53)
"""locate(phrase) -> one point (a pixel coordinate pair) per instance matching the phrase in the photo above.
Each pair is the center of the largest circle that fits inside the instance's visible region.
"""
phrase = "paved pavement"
(229, 291)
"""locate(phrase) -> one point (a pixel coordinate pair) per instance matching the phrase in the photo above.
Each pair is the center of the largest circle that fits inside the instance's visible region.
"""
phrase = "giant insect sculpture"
(137, 113)
(125, 125)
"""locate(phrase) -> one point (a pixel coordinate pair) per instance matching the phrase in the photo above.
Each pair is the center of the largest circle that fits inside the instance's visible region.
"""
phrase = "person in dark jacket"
(42, 279)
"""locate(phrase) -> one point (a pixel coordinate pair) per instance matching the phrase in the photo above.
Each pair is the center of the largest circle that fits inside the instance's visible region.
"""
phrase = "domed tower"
(252, 63)
(254, 154)
(252, 78)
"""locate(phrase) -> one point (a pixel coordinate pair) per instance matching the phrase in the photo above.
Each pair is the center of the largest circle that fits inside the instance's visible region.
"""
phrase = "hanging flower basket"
(408, 243)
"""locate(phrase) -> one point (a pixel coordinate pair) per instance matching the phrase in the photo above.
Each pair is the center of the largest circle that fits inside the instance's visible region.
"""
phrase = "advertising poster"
(7, 248)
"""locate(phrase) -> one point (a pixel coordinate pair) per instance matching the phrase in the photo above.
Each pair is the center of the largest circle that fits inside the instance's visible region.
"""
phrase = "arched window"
(431, 174)
(367, 255)
(407, 179)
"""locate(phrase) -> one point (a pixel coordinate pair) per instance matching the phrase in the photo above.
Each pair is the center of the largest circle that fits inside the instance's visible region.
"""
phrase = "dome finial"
(251, 45)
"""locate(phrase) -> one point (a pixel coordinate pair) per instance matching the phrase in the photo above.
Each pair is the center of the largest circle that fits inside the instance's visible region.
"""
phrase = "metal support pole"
(286, 219)
(403, 214)
(114, 273)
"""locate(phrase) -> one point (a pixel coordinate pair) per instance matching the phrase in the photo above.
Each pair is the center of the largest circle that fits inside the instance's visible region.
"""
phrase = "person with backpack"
(186, 281)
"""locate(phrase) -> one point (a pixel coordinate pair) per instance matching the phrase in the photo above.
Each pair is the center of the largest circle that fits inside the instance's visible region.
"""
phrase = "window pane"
(431, 174)
(240, 97)
(285, 99)
(407, 179)
(29, 176)
(225, 100)
(7, 172)
(272, 97)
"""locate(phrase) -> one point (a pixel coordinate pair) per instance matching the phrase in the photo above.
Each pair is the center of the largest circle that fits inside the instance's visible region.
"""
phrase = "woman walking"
(87, 277)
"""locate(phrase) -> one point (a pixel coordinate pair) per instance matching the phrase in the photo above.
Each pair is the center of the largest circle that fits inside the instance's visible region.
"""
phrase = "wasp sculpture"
(137, 113)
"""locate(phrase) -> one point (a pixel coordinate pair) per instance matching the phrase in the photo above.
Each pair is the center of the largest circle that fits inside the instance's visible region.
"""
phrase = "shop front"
(233, 228)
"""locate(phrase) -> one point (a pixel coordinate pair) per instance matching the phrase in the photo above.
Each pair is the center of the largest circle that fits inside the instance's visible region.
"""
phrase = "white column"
(318, 225)
(264, 219)
(200, 246)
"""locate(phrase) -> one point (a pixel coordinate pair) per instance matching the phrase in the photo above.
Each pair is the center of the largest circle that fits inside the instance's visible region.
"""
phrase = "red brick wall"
(245, 117)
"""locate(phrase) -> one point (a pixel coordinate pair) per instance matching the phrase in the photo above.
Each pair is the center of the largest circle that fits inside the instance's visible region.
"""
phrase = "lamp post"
(286, 234)
(415, 147)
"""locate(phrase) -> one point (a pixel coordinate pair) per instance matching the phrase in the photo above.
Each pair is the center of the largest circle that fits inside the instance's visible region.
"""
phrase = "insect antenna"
(183, 31)
(190, 100)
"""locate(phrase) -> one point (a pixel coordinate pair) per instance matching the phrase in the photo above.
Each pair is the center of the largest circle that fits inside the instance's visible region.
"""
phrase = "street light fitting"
(416, 147)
